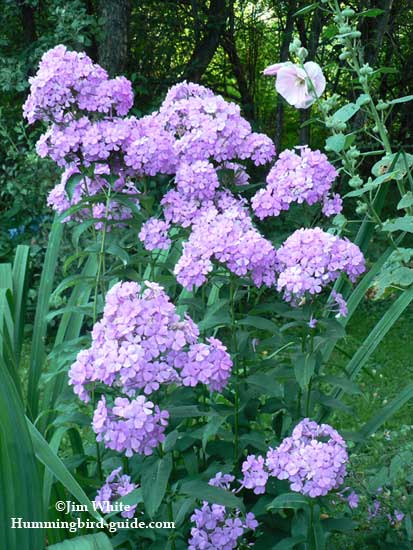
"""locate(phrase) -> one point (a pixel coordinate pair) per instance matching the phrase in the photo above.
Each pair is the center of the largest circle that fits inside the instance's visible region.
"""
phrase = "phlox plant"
(192, 359)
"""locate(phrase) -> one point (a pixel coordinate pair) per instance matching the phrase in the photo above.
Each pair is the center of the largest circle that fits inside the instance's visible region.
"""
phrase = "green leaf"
(266, 384)
(290, 543)
(72, 183)
(374, 12)
(97, 541)
(304, 367)
(336, 143)
(37, 355)
(387, 412)
(345, 113)
(293, 501)
(348, 386)
(406, 201)
(211, 429)
(404, 223)
(154, 483)
(403, 99)
(306, 9)
(377, 334)
(259, 322)
(49, 458)
(203, 491)
(20, 288)
(21, 495)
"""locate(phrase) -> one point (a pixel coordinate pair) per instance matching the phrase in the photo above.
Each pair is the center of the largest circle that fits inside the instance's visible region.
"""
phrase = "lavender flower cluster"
(215, 527)
(305, 177)
(115, 486)
(140, 344)
(310, 259)
(313, 460)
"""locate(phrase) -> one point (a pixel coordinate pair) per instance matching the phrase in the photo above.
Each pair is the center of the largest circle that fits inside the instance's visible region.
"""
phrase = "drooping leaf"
(203, 491)
(345, 113)
(294, 501)
(154, 483)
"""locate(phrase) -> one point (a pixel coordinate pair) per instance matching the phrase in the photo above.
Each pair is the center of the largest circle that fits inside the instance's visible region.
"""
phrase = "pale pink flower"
(299, 86)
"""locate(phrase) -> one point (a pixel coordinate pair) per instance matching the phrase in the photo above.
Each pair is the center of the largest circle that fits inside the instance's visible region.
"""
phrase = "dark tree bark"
(230, 48)
(207, 45)
(287, 34)
(113, 50)
(28, 21)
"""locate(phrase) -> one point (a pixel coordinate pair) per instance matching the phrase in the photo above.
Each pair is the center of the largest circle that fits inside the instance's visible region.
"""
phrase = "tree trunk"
(206, 47)
(28, 21)
(113, 50)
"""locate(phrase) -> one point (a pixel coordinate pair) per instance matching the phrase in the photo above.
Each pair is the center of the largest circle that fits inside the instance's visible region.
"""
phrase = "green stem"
(232, 293)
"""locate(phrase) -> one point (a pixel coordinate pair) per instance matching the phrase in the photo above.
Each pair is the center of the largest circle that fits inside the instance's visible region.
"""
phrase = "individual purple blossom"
(130, 426)
(223, 481)
(115, 487)
(340, 303)
(353, 500)
(300, 177)
(373, 510)
(310, 259)
(217, 529)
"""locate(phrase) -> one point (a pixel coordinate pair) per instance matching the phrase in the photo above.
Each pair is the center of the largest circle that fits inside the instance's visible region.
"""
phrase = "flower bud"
(348, 12)
(355, 182)
(361, 209)
(382, 105)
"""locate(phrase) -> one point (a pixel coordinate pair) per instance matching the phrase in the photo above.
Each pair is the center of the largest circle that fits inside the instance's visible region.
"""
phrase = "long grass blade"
(37, 356)
(20, 490)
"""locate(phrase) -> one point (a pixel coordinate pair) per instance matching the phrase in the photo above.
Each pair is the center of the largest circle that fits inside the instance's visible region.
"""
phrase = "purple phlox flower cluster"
(154, 234)
(300, 177)
(310, 259)
(255, 474)
(216, 528)
(141, 343)
(207, 364)
(130, 426)
(339, 304)
(116, 486)
(313, 460)
(208, 127)
(224, 232)
(59, 200)
(67, 80)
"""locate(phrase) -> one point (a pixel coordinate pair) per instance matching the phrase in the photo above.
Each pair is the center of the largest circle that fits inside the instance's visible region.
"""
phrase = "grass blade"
(19, 475)
(37, 356)
(49, 458)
